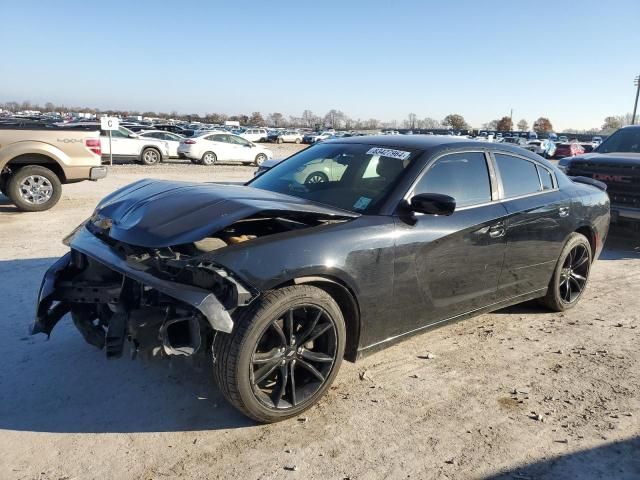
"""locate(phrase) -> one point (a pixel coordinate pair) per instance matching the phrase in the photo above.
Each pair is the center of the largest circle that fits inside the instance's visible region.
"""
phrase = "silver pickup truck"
(35, 160)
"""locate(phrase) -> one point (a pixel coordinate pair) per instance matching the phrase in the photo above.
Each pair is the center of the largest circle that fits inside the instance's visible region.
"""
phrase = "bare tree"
(455, 121)
(542, 125)
(276, 119)
(411, 120)
(334, 118)
(523, 126)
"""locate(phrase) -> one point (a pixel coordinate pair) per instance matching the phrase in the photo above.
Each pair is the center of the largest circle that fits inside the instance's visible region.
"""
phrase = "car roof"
(435, 142)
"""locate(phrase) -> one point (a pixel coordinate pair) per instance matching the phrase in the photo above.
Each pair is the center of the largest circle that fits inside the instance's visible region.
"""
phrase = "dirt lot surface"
(520, 393)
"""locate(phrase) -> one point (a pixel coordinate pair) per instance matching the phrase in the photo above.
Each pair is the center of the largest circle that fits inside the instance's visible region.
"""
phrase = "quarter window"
(519, 176)
(463, 176)
(545, 178)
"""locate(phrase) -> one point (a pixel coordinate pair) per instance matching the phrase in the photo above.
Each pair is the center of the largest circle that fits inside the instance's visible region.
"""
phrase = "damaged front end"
(114, 291)
(143, 266)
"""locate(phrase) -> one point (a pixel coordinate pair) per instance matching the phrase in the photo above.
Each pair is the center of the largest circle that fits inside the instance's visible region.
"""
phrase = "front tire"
(283, 354)
(260, 159)
(571, 274)
(34, 188)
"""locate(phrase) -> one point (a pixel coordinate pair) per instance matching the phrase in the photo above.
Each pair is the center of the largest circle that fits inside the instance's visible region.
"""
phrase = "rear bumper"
(624, 213)
(98, 172)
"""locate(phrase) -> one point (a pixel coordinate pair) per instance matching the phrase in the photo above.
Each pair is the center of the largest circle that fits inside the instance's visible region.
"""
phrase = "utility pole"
(636, 82)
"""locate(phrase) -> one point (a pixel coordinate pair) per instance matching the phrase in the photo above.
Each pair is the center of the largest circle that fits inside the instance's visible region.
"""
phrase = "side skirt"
(375, 347)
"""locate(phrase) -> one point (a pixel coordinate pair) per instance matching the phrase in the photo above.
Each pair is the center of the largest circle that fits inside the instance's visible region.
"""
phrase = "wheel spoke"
(280, 333)
(311, 369)
(288, 325)
(316, 356)
(266, 357)
(579, 278)
(583, 259)
(292, 367)
(575, 282)
(283, 379)
(307, 331)
(317, 331)
(265, 371)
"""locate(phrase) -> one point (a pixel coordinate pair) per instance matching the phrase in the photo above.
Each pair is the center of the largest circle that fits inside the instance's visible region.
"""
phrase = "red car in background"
(569, 150)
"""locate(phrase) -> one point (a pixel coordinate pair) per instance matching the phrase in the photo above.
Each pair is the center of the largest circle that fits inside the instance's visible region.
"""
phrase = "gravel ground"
(521, 393)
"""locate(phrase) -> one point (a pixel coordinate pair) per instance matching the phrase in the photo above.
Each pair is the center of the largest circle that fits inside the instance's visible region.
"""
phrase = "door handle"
(563, 211)
(497, 230)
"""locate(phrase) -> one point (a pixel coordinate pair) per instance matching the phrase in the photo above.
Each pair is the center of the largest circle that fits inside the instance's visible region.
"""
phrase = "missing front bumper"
(57, 294)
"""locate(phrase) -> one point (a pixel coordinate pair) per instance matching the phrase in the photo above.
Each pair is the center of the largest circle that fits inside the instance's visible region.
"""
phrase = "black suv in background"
(616, 162)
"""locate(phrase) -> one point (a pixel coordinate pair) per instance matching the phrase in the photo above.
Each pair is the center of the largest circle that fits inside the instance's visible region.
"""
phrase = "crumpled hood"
(613, 158)
(160, 213)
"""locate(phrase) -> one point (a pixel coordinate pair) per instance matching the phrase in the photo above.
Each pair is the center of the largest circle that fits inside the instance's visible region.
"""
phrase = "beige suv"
(36, 160)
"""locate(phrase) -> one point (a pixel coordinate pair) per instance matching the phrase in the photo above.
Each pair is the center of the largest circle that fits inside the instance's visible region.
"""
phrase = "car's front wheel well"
(348, 304)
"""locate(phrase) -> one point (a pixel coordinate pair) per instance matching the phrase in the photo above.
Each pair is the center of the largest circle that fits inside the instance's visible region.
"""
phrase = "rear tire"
(571, 274)
(208, 158)
(293, 339)
(150, 156)
(34, 188)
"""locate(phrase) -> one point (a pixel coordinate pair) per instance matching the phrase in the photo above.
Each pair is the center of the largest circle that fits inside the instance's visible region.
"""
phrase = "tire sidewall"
(554, 298)
(13, 188)
(260, 159)
(243, 365)
(324, 176)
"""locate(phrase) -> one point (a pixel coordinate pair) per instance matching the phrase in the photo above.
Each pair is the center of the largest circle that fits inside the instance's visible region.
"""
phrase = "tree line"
(334, 118)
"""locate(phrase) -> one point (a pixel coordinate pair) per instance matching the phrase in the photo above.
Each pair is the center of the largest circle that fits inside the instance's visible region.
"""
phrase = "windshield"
(624, 140)
(352, 177)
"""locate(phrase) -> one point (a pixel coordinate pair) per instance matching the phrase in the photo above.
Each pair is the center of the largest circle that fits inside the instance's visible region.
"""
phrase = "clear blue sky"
(571, 61)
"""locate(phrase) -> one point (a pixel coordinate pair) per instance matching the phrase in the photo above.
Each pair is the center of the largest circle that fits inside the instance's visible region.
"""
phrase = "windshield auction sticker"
(389, 152)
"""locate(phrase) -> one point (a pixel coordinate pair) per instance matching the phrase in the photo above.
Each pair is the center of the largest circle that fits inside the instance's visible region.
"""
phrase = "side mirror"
(432, 204)
(133, 135)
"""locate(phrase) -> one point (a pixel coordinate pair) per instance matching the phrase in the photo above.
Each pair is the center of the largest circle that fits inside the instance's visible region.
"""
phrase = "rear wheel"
(283, 354)
(571, 275)
(298, 140)
(209, 158)
(150, 156)
(34, 188)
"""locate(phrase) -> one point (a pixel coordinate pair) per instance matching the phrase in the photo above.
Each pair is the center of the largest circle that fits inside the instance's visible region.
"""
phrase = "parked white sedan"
(172, 140)
(210, 148)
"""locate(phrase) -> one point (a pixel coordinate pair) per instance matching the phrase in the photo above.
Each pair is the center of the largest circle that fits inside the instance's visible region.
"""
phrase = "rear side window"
(545, 178)
(463, 176)
(519, 176)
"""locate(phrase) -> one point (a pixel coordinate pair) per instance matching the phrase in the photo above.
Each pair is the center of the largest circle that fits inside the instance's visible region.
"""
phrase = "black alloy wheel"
(571, 274)
(283, 354)
(574, 274)
(294, 357)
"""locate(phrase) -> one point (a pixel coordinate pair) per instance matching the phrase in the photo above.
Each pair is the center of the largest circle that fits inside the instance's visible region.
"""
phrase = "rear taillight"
(189, 142)
(93, 144)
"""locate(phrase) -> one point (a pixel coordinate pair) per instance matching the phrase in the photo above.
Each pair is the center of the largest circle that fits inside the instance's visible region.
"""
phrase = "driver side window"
(463, 176)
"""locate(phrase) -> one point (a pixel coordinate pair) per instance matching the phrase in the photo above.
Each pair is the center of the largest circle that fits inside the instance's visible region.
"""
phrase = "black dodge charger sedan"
(282, 278)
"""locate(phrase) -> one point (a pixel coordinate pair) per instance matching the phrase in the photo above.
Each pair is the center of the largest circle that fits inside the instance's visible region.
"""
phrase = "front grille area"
(623, 181)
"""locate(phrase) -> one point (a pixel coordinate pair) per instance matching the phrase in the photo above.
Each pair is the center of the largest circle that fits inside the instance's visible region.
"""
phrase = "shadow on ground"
(618, 460)
(65, 385)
